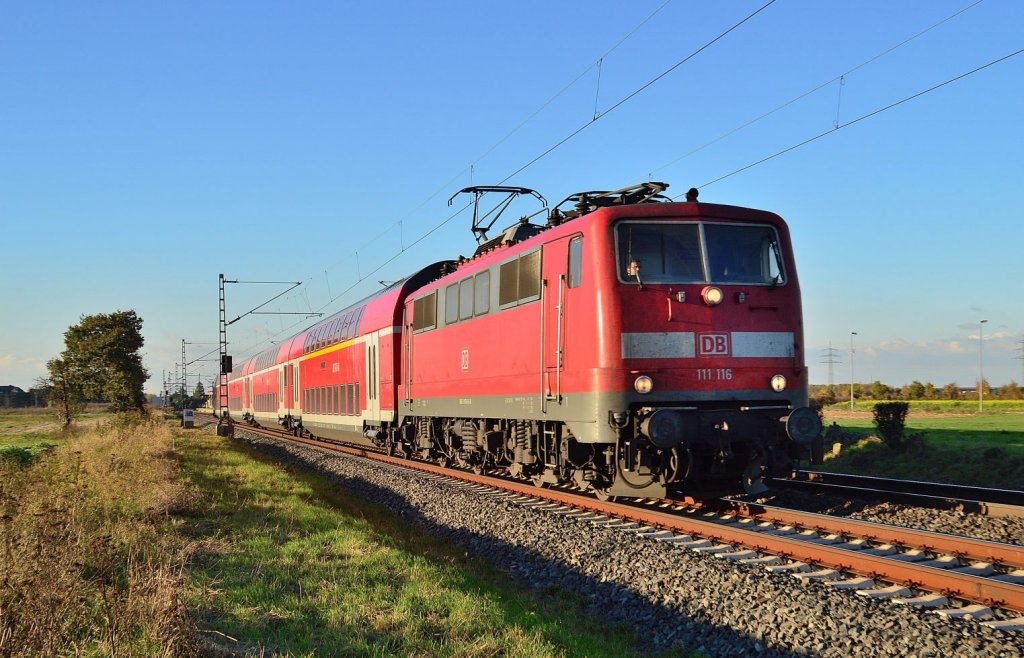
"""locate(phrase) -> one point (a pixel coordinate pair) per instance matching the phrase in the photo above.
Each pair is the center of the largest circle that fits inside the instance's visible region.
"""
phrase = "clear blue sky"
(146, 147)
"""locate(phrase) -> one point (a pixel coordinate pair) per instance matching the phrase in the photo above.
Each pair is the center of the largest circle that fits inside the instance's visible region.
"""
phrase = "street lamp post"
(981, 364)
(852, 334)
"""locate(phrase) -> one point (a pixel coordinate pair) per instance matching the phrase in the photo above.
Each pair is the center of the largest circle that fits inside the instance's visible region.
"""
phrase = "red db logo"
(713, 344)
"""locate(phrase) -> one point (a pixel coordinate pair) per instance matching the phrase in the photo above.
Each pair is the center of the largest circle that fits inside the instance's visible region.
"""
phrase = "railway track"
(958, 577)
(976, 500)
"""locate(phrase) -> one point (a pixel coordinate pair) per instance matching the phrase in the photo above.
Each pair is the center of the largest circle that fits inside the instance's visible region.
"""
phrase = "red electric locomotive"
(632, 346)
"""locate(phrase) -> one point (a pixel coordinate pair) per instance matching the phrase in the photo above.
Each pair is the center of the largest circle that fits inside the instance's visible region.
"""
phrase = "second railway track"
(974, 500)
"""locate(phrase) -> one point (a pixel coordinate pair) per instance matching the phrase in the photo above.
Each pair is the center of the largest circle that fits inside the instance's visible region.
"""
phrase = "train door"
(405, 356)
(372, 410)
(556, 270)
(286, 388)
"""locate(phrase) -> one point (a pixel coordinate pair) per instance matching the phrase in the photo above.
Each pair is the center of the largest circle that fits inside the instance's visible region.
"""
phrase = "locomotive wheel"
(604, 496)
(538, 480)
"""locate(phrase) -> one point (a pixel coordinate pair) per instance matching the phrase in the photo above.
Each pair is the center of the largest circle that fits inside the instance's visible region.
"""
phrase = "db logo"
(465, 359)
(713, 344)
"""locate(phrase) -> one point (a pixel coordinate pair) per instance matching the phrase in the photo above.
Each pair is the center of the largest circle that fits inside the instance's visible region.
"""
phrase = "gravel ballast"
(1008, 530)
(668, 594)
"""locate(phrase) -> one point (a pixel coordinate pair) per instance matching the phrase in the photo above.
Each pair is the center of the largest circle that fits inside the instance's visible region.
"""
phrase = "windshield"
(662, 252)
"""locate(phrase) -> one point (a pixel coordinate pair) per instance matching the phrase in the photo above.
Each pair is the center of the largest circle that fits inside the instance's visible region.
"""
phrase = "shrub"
(890, 421)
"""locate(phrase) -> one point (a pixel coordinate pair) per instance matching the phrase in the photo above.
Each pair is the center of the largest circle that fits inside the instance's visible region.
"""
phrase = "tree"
(914, 390)
(951, 391)
(102, 360)
(63, 392)
(880, 391)
(198, 396)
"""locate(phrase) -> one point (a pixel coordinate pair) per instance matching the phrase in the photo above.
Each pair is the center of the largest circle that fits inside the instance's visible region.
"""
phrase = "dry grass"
(88, 567)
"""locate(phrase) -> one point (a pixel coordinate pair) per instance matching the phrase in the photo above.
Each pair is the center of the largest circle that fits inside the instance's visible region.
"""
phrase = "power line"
(861, 118)
(823, 85)
(640, 89)
(596, 118)
(469, 167)
(516, 129)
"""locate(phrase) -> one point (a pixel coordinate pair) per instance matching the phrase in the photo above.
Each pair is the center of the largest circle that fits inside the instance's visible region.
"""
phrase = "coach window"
(575, 262)
(354, 329)
(482, 293)
(345, 326)
(466, 298)
(338, 333)
(424, 312)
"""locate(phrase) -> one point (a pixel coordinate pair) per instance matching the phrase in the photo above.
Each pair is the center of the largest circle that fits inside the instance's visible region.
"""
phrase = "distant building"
(14, 396)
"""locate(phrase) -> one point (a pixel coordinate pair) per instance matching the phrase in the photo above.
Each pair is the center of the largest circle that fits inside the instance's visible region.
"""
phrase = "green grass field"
(984, 449)
(26, 434)
(965, 406)
(297, 567)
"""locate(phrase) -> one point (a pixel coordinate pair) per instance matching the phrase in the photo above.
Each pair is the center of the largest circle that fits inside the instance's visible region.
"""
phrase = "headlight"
(712, 295)
(643, 384)
(778, 383)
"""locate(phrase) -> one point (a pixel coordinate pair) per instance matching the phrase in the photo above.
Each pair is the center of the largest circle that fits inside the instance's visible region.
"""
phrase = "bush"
(890, 421)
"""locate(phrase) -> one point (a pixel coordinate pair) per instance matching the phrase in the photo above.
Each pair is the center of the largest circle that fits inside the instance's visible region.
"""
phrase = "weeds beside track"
(88, 566)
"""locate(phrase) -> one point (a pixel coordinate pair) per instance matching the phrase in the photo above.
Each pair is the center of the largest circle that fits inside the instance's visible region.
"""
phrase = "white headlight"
(712, 295)
(643, 384)
(778, 383)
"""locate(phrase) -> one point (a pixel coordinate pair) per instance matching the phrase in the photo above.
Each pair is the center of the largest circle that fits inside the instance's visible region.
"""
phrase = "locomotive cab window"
(692, 252)
(743, 254)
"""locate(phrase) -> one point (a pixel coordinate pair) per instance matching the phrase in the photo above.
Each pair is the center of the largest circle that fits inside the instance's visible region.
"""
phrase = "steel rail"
(978, 589)
(1010, 555)
(979, 500)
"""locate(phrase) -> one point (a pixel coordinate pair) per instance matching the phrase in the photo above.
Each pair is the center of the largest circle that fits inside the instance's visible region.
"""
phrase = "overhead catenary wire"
(471, 167)
(862, 117)
(839, 78)
(622, 101)
(597, 117)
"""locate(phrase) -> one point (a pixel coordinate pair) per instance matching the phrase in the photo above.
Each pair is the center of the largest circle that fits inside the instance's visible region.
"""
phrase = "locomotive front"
(711, 376)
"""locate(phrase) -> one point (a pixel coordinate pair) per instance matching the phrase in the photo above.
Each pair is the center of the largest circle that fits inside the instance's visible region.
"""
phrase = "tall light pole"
(852, 334)
(981, 364)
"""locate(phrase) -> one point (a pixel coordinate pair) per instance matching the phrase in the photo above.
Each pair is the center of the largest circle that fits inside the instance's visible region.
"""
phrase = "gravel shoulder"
(679, 597)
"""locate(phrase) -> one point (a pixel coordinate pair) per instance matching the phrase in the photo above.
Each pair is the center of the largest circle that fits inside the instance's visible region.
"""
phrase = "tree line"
(915, 390)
